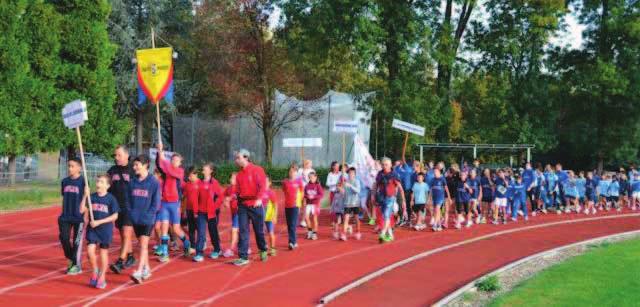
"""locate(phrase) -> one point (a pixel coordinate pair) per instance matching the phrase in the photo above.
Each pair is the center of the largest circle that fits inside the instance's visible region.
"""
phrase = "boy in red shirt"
(293, 190)
(210, 196)
(313, 193)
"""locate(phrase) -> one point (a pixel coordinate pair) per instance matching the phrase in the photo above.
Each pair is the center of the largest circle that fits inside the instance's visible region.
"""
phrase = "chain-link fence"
(200, 138)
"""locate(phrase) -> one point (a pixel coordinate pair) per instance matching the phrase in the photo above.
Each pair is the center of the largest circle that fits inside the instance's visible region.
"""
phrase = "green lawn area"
(29, 195)
(608, 275)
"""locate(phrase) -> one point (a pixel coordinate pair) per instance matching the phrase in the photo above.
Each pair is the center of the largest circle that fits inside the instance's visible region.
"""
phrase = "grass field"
(29, 195)
(608, 275)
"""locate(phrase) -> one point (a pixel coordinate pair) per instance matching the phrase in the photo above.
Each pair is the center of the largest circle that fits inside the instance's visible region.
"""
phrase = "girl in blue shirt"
(614, 194)
(570, 193)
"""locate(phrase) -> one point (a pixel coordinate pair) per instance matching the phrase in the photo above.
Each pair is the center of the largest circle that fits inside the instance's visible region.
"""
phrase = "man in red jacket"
(250, 185)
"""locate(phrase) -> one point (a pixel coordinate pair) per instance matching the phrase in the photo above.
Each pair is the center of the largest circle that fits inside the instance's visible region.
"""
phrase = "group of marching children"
(405, 194)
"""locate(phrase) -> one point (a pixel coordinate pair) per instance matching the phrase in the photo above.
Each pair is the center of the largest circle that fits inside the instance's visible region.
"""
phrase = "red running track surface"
(32, 265)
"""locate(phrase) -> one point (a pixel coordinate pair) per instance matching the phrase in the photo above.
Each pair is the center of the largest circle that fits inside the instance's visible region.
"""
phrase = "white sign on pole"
(153, 153)
(408, 127)
(345, 126)
(75, 114)
(302, 142)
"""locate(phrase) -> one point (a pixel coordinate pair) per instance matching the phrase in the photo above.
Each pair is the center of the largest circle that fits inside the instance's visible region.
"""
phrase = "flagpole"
(157, 103)
(84, 170)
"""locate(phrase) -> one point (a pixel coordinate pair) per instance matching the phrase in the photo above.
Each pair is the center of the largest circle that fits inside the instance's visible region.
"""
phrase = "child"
(570, 193)
(190, 196)
(487, 193)
(542, 198)
(463, 196)
(624, 190)
(500, 203)
(337, 209)
(100, 232)
(271, 216)
(333, 178)
(231, 202)
(120, 175)
(419, 197)
(210, 196)
(71, 220)
(519, 199)
(603, 192)
(439, 189)
(293, 189)
(386, 188)
(476, 195)
(552, 189)
(351, 204)
(144, 202)
(590, 194)
(635, 191)
(303, 173)
(581, 181)
(170, 208)
(614, 193)
(313, 193)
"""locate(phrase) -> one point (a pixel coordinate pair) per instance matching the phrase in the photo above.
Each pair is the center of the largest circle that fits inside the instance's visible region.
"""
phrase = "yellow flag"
(155, 72)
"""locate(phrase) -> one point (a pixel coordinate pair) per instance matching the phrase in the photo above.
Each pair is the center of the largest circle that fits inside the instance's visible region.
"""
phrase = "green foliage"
(489, 284)
(277, 174)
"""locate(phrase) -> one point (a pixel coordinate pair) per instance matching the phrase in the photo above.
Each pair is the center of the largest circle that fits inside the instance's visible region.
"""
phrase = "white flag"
(364, 163)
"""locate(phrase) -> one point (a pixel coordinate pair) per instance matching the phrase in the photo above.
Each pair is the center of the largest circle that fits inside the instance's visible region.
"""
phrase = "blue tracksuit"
(144, 200)
(519, 199)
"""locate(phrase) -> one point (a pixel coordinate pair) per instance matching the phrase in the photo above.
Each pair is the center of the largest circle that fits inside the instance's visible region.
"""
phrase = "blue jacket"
(144, 200)
(406, 174)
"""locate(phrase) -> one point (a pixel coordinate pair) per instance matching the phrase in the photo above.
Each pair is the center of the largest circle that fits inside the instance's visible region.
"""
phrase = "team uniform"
(462, 197)
(190, 192)
(420, 192)
(210, 196)
(71, 222)
(519, 200)
(487, 189)
(120, 178)
(293, 193)
(501, 192)
(437, 185)
(250, 186)
(102, 207)
(144, 203)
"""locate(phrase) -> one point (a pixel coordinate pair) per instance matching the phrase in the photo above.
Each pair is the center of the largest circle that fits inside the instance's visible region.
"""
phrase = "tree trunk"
(12, 170)
(267, 134)
(139, 129)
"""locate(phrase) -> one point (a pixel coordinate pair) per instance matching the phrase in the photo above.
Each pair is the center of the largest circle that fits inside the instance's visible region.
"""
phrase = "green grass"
(29, 195)
(608, 275)
(489, 284)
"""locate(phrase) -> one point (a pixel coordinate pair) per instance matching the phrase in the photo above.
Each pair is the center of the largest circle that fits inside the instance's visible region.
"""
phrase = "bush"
(489, 284)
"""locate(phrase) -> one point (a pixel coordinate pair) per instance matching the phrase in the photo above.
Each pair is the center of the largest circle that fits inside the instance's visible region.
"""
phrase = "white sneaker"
(303, 224)
(458, 225)
(146, 274)
(336, 235)
(309, 233)
(533, 213)
(526, 218)
(343, 237)
(432, 221)
(358, 236)
(469, 223)
(228, 253)
(314, 236)
(594, 211)
(520, 213)
(558, 212)
(478, 219)
(619, 209)
(567, 210)
(544, 211)
(349, 230)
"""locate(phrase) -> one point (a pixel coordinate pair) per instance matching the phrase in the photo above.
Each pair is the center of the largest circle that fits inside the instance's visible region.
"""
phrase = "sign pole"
(344, 150)
(157, 103)
(84, 171)
(404, 147)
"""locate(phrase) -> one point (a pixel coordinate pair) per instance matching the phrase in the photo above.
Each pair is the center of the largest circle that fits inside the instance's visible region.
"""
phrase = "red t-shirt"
(233, 204)
(313, 193)
(210, 196)
(250, 184)
(190, 191)
(291, 188)
(172, 180)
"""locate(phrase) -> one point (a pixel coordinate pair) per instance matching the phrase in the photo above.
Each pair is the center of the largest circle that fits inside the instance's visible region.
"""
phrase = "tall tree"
(85, 72)
(246, 64)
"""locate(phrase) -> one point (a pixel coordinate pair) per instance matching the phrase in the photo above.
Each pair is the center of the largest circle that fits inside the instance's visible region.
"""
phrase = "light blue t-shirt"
(420, 190)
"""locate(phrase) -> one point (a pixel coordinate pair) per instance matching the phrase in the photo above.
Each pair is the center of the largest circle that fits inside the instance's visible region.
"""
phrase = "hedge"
(277, 174)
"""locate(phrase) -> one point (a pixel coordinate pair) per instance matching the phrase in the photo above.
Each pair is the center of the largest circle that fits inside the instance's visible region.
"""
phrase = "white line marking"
(360, 281)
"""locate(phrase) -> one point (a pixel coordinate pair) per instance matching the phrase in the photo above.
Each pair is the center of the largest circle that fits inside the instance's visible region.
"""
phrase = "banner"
(345, 126)
(407, 127)
(155, 74)
(363, 162)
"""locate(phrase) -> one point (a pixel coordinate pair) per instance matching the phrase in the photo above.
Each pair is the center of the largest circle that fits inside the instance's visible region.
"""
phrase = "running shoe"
(198, 258)
(263, 256)
(240, 262)
(214, 255)
(74, 270)
(228, 253)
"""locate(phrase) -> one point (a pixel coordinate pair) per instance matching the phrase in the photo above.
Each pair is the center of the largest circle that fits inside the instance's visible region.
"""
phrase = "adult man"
(250, 186)
(406, 173)
(121, 174)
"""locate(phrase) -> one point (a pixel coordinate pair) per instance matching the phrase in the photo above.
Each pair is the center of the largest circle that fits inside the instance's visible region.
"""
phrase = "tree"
(246, 64)
(85, 73)
(599, 94)
(28, 66)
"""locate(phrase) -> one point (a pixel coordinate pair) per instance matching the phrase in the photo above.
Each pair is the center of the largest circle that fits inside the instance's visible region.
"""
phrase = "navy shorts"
(142, 230)
(101, 237)
(123, 219)
(352, 211)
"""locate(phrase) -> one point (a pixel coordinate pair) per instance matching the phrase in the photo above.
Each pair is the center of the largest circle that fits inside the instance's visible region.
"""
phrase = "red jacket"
(291, 188)
(250, 184)
(172, 181)
(210, 196)
(190, 192)
(313, 193)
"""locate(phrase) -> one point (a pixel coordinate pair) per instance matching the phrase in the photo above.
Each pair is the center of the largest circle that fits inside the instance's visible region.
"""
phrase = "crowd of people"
(172, 205)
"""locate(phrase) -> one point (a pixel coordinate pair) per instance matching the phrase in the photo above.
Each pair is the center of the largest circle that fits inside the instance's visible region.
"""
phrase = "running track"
(32, 265)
